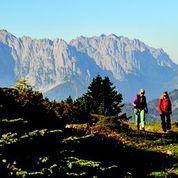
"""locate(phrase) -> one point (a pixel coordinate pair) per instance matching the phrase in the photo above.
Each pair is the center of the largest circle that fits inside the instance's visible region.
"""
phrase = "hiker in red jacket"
(140, 108)
(164, 107)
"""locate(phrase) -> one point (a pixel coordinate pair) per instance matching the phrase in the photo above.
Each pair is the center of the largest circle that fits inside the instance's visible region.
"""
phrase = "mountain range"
(60, 69)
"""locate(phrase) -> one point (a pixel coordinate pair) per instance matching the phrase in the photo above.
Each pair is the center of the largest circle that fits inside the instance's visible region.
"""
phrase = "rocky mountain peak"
(61, 69)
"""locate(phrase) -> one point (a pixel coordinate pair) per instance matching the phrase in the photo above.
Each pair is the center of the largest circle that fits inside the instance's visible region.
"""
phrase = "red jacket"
(164, 105)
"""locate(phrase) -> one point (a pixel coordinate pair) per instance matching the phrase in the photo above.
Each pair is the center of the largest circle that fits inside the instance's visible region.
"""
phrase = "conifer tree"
(102, 98)
(111, 98)
(93, 97)
(69, 100)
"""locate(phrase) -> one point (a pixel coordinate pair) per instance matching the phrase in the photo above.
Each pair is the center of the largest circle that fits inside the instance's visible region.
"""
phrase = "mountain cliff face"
(59, 69)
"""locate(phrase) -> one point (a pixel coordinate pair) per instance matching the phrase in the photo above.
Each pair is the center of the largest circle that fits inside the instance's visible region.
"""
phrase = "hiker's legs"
(137, 118)
(142, 118)
(163, 122)
(168, 122)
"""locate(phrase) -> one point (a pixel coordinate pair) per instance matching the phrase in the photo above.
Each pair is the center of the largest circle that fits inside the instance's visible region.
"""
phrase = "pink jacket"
(140, 102)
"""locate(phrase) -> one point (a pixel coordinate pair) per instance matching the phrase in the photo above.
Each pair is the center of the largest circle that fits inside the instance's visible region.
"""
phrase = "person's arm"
(146, 107)
(133, 102)
(158, 106)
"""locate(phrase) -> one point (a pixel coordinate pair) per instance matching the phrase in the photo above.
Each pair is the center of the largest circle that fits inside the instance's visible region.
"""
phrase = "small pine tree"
(111, 98)
(69, 100)
(93, 97)
(102, 98)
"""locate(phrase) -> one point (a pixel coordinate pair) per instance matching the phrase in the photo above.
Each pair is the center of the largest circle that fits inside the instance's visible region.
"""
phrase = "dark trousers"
(166, 121)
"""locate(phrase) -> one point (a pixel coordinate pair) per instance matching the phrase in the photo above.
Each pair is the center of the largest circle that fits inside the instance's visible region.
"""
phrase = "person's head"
(142, 91)
(165, 94)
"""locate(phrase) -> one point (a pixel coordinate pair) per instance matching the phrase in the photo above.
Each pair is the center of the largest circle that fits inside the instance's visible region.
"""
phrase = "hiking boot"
(143, 128)
(164, 130)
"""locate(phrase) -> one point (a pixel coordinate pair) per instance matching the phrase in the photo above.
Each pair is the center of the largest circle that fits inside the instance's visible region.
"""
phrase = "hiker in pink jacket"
(139, 104)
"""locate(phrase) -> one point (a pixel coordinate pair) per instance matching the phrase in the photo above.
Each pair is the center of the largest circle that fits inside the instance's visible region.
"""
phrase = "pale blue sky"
(155, 22)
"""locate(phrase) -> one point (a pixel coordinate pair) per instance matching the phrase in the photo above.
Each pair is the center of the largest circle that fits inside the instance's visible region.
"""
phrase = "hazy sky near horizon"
(155, 22)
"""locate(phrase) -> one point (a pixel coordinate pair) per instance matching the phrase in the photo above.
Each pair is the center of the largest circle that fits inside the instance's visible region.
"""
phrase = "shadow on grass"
(130, 161)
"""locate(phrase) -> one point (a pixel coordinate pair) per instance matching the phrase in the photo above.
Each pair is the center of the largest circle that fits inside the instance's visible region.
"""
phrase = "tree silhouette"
(101, 98)
(111, 99)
